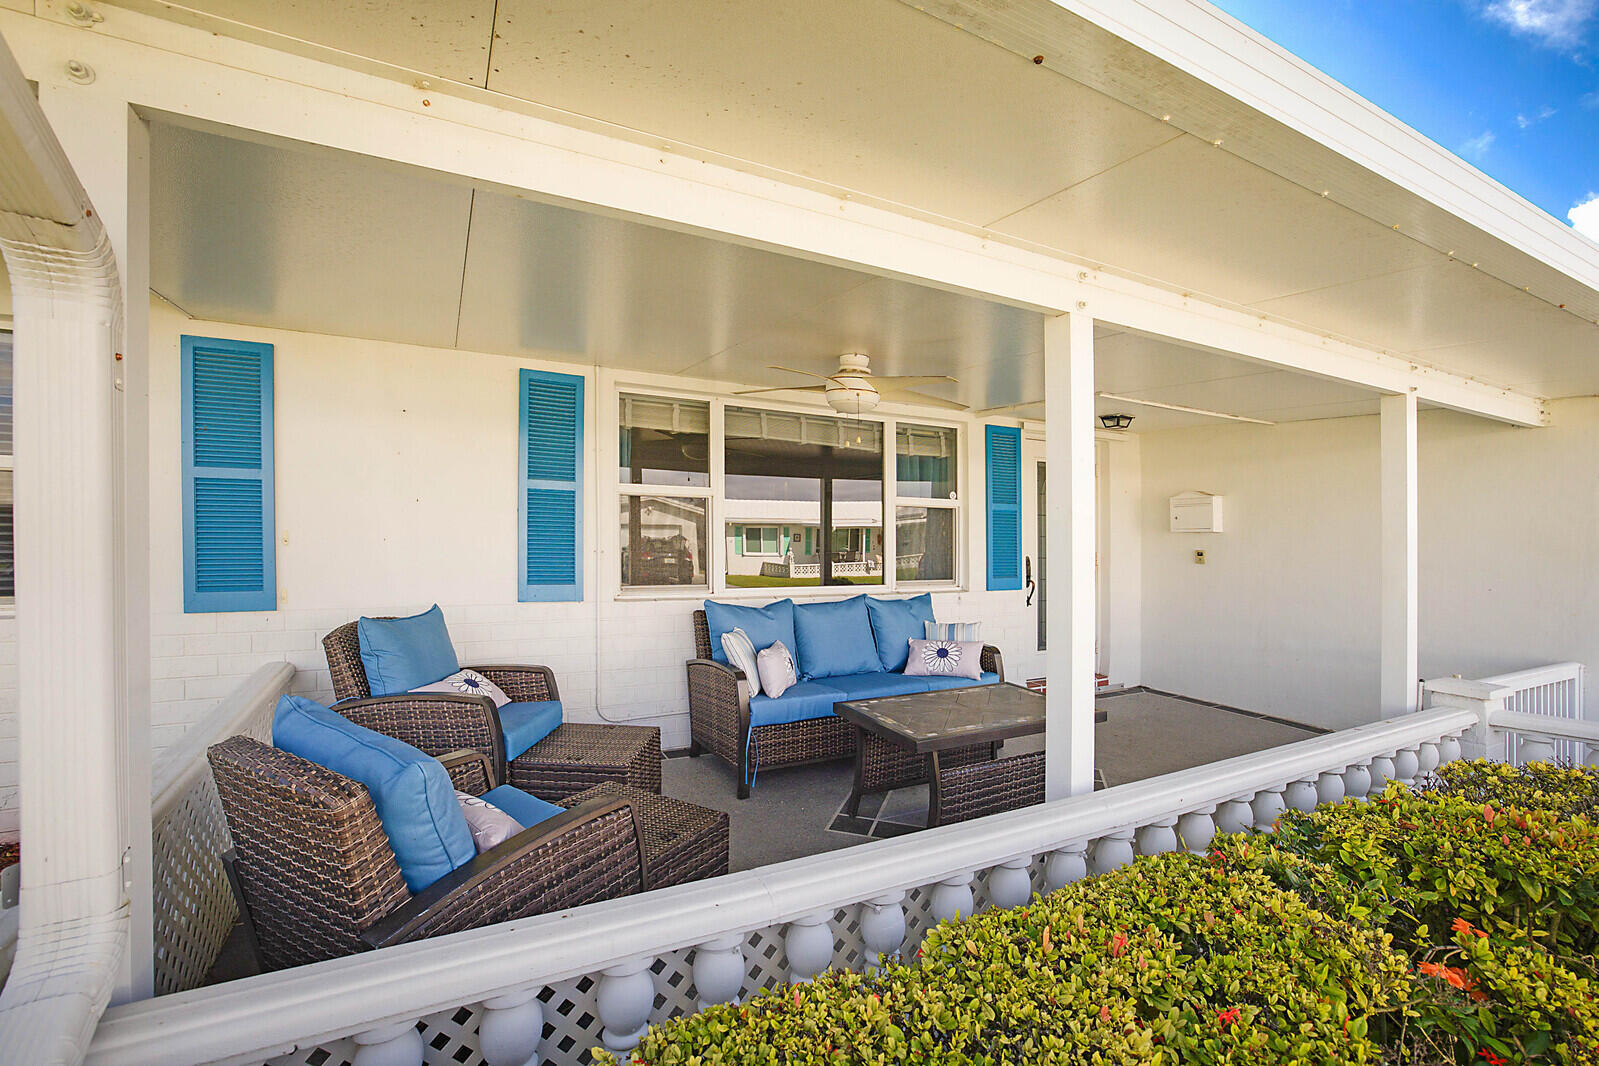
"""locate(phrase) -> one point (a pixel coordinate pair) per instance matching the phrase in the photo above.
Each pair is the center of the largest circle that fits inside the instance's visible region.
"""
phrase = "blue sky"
(1510, 85)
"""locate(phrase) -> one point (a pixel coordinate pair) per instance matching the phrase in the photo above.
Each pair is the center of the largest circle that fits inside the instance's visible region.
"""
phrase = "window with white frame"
(664, 477)
(926, 502)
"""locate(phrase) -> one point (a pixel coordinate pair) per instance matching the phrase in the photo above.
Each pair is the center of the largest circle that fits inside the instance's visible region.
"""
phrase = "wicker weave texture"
(580, 755)
(978, 789)
(885, 765)
(682, 841)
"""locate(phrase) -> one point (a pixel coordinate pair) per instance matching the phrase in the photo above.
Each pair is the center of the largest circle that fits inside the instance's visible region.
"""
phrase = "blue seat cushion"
(525, 724)
(412, 792)
(871, 686)
(798, 703)
(936, 684)
(764, 626)
(401, 654)
(833, 639)
(895, 623)
(528, 810)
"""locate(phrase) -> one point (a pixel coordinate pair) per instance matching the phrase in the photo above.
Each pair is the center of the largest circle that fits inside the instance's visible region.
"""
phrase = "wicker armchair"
(576, 757)
(719, 717)
(316, 878)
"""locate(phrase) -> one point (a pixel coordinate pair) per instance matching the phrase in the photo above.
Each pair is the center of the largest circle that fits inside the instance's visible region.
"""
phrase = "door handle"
(1027, 570)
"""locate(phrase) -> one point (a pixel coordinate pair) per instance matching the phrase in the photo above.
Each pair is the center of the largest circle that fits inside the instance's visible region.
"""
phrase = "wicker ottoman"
(682, 841)
(580, 755)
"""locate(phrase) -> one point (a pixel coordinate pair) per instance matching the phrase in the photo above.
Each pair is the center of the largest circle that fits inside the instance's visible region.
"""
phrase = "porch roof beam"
(157, 65)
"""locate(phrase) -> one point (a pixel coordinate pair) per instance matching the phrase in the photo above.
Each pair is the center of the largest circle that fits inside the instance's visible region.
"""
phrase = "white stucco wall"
(1283, 617)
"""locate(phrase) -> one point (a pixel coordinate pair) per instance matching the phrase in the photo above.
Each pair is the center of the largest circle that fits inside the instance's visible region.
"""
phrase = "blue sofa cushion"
(895, 623)
(938, 683)
(412, 791)
(798, 703)
(834, 638)
(401, 654)
(525, 724)
(528, 810)
(871, 686)
(764, 626)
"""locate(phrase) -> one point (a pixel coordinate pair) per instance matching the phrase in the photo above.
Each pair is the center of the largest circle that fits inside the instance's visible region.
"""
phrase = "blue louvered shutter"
(1004, 464)
(552, 487)
(229, 532)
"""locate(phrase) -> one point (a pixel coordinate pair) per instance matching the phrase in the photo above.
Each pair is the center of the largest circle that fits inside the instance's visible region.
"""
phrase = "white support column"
(1400, 670)
(1069, 458)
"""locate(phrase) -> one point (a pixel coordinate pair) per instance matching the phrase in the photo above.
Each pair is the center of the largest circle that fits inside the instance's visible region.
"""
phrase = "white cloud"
(1558, 23)
(1527, 121)
(1478, 146)
(1584, 216)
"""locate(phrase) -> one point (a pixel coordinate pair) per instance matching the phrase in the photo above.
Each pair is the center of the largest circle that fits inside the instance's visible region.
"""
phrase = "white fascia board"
(193, 75)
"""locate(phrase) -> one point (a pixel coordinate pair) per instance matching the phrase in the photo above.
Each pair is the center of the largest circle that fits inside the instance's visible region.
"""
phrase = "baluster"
(511, 1028)
(883, 926)
(1382, 772)
(1300, 795)
(952, 897)
(395, 1044)
(1267, 807)
(623, 1002)
(1448, 750)
(1357, 781)
(1195, 831)
(1110, 852)
(1234, 816)
(1427, 759)
(719, 970)
(1157, 838)
(1010, 884)
(1407, 764)
(809, 942)
(1065, 866)
(1593, 756)
(1537, 749)
(1329, 787)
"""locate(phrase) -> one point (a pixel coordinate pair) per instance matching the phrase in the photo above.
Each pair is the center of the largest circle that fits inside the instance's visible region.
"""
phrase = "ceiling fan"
(852, 390)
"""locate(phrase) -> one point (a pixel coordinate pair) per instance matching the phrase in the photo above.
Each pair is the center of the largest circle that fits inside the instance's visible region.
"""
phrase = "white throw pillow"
(953, 630)
(741, 654)
(468, 683)
(776, 667)
(945, 658)
(490, 826)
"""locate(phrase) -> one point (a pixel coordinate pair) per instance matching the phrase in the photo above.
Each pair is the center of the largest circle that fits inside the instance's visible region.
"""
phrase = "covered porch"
(409, 255)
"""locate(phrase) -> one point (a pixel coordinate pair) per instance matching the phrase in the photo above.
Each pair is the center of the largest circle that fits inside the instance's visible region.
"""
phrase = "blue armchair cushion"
(834, 638)
(402, 654)
(525, 724)
(764, 626)
(895, 623)
(412, 792)
(528, 810)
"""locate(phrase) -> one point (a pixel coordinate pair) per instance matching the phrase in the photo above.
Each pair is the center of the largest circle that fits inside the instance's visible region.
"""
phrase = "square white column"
(1400, 644)
(1071, 524)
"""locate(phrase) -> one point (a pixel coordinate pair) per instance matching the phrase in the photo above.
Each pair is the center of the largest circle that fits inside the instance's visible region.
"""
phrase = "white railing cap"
(1545, 725)
(180, 764)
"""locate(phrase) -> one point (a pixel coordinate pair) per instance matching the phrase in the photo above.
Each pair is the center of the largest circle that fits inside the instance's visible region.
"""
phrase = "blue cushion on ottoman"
(764, 626)
(525, 724)
(401, 654)
(411, 790)
(834, 638)
(895, 623)
(526, 809)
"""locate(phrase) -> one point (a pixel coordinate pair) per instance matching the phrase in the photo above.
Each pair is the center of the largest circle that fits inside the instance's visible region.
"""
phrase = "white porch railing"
(1532, 715)
(559, 983)
(193, 903)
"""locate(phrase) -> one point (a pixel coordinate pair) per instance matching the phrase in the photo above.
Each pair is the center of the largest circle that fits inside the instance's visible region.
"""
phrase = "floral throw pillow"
(945, 658)
(468, 683)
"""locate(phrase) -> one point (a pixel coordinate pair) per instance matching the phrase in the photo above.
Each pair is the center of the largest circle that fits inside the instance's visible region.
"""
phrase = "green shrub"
(1539, 786)
(1422, 929)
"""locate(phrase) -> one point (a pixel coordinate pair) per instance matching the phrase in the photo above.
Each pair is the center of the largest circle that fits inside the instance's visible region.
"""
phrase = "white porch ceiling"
(946, 115)
(293, 237)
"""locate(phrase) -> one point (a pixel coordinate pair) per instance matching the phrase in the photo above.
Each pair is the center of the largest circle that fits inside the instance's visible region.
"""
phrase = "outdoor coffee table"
(912, 739)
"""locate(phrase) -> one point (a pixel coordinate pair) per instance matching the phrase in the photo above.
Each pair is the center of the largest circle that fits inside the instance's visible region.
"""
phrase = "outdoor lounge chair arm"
(436, 722)
(590, 853)
(470, 771)
(521, 683)
(992, 662)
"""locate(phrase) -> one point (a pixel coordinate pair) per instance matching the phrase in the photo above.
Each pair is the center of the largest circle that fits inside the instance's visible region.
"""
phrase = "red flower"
(1491, 1058)
(1228, 1016)
(1461, 926)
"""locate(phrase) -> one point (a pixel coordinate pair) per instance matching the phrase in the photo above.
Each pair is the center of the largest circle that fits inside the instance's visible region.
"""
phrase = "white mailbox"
(1196, 512)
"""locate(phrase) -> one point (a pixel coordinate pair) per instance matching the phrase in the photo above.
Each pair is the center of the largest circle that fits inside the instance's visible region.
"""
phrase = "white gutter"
(73, 913)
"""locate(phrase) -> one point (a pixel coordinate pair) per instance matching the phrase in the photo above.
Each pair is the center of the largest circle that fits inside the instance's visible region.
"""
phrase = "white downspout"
(67, 299)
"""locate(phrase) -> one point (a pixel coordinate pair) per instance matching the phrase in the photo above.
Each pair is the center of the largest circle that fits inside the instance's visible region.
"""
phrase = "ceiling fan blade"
(792, 370)
(921, 399)
(909, 382)
(784, 388)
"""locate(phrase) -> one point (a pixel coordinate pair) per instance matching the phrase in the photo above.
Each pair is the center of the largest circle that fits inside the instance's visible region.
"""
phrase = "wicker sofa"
(721, 719)
(317, 879)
